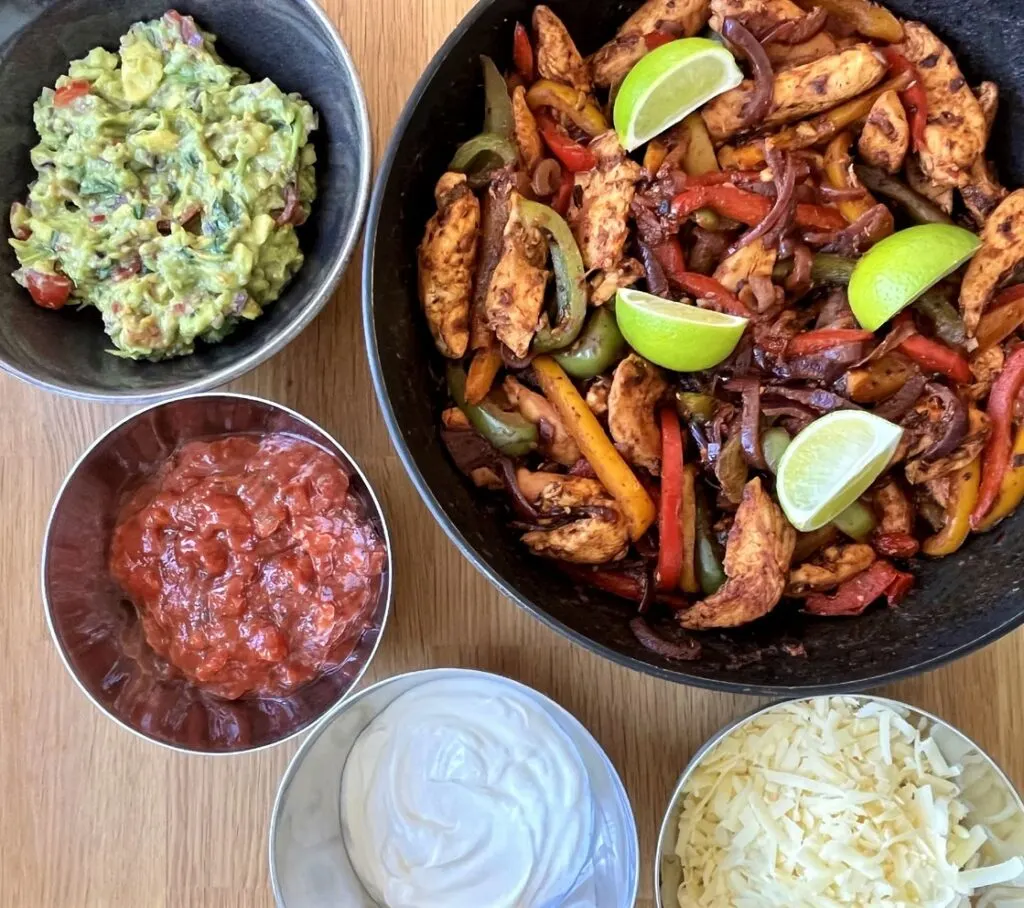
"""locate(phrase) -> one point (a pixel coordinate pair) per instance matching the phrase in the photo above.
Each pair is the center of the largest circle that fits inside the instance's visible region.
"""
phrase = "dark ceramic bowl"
(97, 632)
(289, 41)
(960, 604)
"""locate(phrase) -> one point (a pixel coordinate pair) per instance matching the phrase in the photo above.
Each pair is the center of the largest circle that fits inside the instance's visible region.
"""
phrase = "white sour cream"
(465, 793)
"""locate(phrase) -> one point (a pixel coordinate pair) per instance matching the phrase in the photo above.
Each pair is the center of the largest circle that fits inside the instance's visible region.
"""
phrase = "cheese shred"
(825, 803)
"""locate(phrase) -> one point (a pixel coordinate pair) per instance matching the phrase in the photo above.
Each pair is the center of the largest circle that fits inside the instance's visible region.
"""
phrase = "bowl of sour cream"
(452, 787)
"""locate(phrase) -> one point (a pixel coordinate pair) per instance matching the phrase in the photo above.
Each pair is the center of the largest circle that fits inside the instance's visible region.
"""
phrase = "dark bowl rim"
(387, 593)
(303, 316)
(854, 685)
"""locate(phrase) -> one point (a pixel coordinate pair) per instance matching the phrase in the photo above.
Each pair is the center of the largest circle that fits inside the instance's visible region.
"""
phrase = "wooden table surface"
(93, 816)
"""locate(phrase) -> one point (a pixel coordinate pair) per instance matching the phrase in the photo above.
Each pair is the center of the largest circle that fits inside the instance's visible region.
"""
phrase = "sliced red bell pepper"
(563, 197)
(750, 208)
(655, 39)
(1004, 317)
(914, 98)
(707, 288)
(857, 593)
(51, 291)
(619, 583)
(824, 339)
(996, 457)
(896, 545)
(670, 546)
(71, 91)
(937, 357)
(719, 177)
(522, 53)
(672, 259)
(574, 157)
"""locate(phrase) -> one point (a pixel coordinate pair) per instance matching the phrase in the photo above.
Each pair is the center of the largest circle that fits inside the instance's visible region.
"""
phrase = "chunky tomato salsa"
(252, 566)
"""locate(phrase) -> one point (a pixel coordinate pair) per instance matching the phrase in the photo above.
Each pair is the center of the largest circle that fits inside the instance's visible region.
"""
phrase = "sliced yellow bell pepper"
(963, 496)
(576, 105)
(838, 171)
(1011, 492)
(613, 472)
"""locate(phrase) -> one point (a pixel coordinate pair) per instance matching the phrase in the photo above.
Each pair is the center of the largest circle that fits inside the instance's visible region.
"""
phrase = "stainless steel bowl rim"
(316, 301)
(424, 674)
(388, 590)
(728, 729)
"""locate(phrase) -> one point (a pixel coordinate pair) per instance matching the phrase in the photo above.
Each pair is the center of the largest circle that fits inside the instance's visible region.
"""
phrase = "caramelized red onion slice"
(682, 649)
(954, 422)
(657, 283)
(760, 102)
(780, 219)
(897, 406)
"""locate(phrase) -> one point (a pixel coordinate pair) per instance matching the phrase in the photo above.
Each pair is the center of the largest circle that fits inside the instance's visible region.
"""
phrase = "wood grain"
(94, 817)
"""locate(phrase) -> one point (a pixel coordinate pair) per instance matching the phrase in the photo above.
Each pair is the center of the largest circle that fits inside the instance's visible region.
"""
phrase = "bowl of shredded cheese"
(841, 801)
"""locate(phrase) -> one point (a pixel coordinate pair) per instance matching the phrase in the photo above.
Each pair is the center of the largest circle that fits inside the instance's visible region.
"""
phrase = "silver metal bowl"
(983, 783)
(292, 42)
(309, 865)
(96, 630)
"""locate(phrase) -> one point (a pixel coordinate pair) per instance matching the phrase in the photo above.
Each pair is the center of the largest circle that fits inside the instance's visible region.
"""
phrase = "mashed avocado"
(168, 193)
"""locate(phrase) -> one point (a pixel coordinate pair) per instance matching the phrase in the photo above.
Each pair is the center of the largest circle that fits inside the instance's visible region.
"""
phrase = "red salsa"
(252, 567)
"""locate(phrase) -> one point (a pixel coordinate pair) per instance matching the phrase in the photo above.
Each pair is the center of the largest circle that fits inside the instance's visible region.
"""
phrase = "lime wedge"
(896, 271)
(669, 83)
(831, 464)
(677, 336)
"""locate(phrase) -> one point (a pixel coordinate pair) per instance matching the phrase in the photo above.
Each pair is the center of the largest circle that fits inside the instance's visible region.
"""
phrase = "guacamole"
(169, 189)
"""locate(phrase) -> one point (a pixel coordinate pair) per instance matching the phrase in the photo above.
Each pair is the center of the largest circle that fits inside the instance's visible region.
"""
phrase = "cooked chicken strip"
(1002, 249)
(604, 284)
(786, 56)
(955, 135)
(600, 207)
(801, 91)
(637, 389)
(447, 259)
(830, 567)
(920, 182)
(595, 538)
(515, 296)
(894, 509)
(736, 269)
(758, 16)
(983, 192)
(531, 148)
(885, 140)
(493, 218)
(757, 556)
(557, 56)
(555, 442)
(985, 367)
(597, 396)
(613, 61)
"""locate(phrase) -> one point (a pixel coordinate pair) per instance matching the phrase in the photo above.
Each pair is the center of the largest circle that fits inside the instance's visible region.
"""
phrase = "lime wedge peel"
(831, 463)
(896, 271)
(676, 336)
(670, 83)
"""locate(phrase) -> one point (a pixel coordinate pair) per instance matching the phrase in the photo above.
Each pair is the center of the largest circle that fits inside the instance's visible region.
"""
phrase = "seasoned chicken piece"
(761, 17)
(1002, 249)
(597, 396)
(515, 296)
(983, 192)
(955, 135)
(918, 180)
(831, 566)
(979, 427)
(757, 557)
(885, 139)
(557, 56)
(600, 204)
(596, 535)
(604, 284)
(555, 442)
(637, 389)
(493, 218)
(801, 91)
(985, 366)
(613, 61)
(447, 258)
(893, 508)
(736, 269)
(531, 148)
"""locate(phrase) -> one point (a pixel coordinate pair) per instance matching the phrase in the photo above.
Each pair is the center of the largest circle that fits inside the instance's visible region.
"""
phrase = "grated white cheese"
(827, 802)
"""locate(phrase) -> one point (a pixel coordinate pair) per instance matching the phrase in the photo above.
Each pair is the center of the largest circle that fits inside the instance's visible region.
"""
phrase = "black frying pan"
(960, 604)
